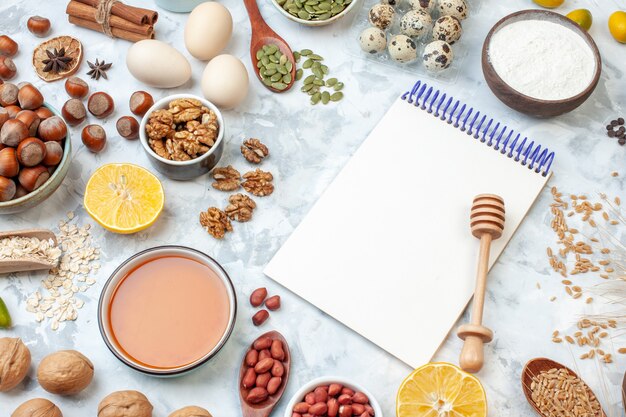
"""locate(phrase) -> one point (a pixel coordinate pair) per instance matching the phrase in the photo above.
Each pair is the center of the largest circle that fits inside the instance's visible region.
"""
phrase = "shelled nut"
(30, 119)
(7, 189)
(8, 47)
(52, 128)
(140, 102)
(9, 166)
(13, 132)
(44, 113)
(100, 104)
(32, 178)
(74, 112)
(94, 137)
(31, 152)
(127, 127)
(29, 97)
(54, 153)
(260, 317)
(8, 94)
(76, 87)
(7, 68)
(38, 26)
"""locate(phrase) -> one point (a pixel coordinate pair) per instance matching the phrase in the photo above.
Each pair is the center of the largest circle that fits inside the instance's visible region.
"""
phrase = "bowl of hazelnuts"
(35, 148)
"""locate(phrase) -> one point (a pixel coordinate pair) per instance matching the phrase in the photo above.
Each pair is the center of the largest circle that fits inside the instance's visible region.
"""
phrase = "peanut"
(257, 395)
(321, 394)
(301, 408)
(278, 369)
(344, 399)
(318, 409)
(273, 303)
(334, 389)
(252, 357)
(296, 415)
(333, 407)
(365, 414)
(258, 296)
(369, 409)
(263, 379)
(274, 384)
(263, 342)
(264, 365)
(347, 391)
(310, 398)
(277, 350)
(249, 379)
(359, 398)
(358, 409)
(345, 411)
(264, 354)
(260, 317)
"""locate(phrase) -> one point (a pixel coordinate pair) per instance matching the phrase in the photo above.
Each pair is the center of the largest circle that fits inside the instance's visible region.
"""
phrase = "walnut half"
(215, 222)
(258, 183)
(254, 151)
(240, 207)
(226, 178)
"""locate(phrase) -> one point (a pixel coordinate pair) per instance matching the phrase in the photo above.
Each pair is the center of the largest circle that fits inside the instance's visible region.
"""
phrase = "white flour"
(542, 59)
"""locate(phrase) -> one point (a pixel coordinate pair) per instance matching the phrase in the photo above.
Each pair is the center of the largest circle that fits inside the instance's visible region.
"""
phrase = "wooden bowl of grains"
(540, 63)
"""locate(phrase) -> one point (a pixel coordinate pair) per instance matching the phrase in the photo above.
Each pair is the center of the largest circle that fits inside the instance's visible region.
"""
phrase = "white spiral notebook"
(387, 249)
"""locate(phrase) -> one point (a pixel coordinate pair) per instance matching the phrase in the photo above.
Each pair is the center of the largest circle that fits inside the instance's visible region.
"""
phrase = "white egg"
(157, 64)
(208, 30)
(225, 81)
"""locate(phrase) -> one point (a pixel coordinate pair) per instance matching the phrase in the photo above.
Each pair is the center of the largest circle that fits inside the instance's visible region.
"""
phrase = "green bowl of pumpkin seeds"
(315, 12)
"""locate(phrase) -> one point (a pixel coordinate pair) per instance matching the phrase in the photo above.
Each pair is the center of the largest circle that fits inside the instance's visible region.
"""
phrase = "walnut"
(14, 362)
(125, 404)
(216, 222)
(226, 179)
(158, 146)
(258, 183)
(240, 207)
(191, 411)
(185, 142)
(254, 151)
(37, 407)
(185, 109)
(160, 123)
(65, 372)
(203, 132)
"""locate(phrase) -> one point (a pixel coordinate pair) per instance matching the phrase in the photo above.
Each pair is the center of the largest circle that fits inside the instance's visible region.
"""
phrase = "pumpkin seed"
(304, 15)
(259, 64)
(309, 79)
(306, 88)
(313, 90)
(279, 86)
(274, 66)
(272, 49)
(307, 64)
(259, 54)
(270, 71)
(318, 72)
(316, 57)
(325, 97)
(336, 96)
(315, 98)
(306, 52)
(299, 74)
(324, 16)
(282, 60)
(287, 78)
(289, 66)
(276, 77)
(316, 64)
(296, 56)
(331, 81)
(338, 86)
(318, 82)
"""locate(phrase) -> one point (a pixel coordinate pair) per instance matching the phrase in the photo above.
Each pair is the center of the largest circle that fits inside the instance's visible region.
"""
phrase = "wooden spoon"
(26, 264)
(262, 35)
(264, 409)
(534, 368)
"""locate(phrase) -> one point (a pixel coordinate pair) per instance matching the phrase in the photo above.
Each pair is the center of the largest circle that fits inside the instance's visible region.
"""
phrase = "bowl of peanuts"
(333, 396)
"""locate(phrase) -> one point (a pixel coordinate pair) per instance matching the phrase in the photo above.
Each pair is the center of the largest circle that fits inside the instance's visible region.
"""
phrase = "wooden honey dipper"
(487, 223)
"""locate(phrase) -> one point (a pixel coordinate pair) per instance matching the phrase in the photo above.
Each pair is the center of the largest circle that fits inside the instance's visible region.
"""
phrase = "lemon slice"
(441, 390)
(124, 198)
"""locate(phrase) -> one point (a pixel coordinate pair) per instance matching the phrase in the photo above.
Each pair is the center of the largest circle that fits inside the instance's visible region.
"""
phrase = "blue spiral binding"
(498, 137)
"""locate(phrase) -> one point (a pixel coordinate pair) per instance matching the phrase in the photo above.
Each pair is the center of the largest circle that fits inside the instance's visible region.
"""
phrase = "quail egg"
(437, 56)
(373, 40)
(456, 8)
(381, 16)
(447, 29)
(415, 23)
(402, 49)
(426, 5)
(389, 2)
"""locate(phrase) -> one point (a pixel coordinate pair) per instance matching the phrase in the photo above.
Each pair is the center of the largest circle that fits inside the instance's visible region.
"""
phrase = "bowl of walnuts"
(183, 136)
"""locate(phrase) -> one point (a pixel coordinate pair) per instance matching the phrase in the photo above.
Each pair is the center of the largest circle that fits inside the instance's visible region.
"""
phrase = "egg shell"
(157, 64)
(447, 29)
(373, 40)
(456, 8)
(402, 49)
(415, 23)
(208, 30)
(225, 81)
(381, 16)
(437, 56)
(426, 5)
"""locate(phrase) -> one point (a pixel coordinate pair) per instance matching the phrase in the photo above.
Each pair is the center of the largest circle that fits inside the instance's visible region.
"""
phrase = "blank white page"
(387, 249)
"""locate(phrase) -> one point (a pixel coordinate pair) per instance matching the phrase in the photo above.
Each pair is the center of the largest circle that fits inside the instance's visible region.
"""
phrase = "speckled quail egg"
(426, 5)
(447, 29)
(415, 23)
(437, 56)
(373, 40)
(456, 8)
(402, 49)
(390, 2)
(381, 16)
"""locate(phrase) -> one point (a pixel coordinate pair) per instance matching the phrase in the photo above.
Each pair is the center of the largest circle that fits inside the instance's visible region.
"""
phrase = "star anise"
(98, 69)
(57, 61)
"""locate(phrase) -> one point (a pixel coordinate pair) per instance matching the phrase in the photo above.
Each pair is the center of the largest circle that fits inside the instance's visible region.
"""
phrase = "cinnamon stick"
(118, 33)
(133, 14)
(82, 11)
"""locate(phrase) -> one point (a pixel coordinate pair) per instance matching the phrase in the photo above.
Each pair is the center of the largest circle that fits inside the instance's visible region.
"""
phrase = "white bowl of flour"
(540, 63)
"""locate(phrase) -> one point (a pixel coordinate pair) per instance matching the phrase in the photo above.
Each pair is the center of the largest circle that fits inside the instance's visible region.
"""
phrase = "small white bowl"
(326, 380)
(315, 23)
(183, 170)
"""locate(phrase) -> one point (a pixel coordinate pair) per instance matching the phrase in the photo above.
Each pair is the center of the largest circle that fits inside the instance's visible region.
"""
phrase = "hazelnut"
(94, 137)
(32, 178)
(22, 84)
(13, 132)
(13, 110)
(127, 127)
(38, 26)
(37, 407)
(4, 116)
(76, 87)
(8, 46)
(29, 97)
(140, 102)
(20, 192)
(44, 113)
(125, 403)
(7, 68)
(100, 105)
(30, 119)
(191, 411)
(14, 355)
(74, 112)
(54, 154)
(7, 192)
(9, 166)
(52, 128)
(31, 152)
(65, 372)
(8, 94)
